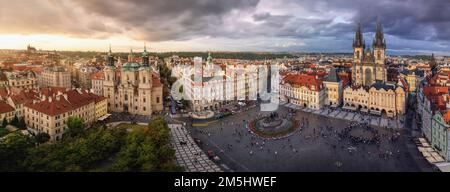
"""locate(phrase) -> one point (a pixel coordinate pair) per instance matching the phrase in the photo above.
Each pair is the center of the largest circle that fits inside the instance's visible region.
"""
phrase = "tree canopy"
(75, 127)
(98, 149)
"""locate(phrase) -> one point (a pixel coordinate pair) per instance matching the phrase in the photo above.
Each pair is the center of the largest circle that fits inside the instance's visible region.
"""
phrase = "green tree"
(41, 138)
(134, 154)
(13, 150)
(15, 121)
(5, 122)
(159, 132)
(3, 131)
(22, 125)
(75, 127)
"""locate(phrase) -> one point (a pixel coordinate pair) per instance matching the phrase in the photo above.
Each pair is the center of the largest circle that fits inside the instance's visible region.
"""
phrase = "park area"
(127, 147)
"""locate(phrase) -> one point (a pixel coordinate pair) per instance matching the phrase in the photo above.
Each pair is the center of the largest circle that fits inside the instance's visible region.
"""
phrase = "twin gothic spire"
(378, 41)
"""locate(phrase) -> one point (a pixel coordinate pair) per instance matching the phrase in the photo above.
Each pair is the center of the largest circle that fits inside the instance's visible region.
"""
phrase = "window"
(157, 99)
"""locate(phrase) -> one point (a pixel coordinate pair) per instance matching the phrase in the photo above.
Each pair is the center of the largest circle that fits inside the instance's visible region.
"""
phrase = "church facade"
(370, 91)
(369, 65)
(133, 88)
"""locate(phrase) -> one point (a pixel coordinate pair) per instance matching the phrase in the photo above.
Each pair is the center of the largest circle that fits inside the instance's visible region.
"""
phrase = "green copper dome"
(131, 66)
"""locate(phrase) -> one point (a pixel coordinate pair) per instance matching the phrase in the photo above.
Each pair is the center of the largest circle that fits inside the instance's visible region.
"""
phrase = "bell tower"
(358, 56)
(110, 80)
(145, 85)
(379, 53)
(358, 45)
(379, 45)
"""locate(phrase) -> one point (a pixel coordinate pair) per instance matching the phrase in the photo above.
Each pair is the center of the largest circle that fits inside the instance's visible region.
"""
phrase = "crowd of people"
(369, 135)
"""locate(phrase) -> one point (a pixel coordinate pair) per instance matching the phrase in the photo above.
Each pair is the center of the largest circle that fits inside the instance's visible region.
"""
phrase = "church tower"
(358, 45)
(131, 56)
(358, 55)
(145, 85)
(379, 49)
(110, 80)
(433, 65)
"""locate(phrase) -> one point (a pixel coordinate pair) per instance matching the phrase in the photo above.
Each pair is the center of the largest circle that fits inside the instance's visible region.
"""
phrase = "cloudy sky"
(411, 26)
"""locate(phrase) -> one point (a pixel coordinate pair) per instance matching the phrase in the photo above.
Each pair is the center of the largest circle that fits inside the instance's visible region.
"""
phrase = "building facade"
(22, 79)
(56, 76)
(97, 82)
(440, 133)
(134, 88)
(209, 86)
(379, 99)
(370, 91)
(333, 89)
(369, 66)
(302, 90)
(51, 111)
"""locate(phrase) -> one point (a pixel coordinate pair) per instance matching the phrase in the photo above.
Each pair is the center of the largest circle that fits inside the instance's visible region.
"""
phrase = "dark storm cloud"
(410, 19)
(174, 20)
(49, 17)
(158, 20)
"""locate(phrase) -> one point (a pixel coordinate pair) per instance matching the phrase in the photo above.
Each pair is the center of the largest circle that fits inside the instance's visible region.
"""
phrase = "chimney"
(50, 99)
(43, 98)
(58, 97)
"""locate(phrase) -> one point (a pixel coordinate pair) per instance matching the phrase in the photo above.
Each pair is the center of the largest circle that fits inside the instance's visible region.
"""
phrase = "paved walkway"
(351, 116)
(189, 155)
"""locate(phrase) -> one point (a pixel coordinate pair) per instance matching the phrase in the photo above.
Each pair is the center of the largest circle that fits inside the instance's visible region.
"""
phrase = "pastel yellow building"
(333, 89)
(379, 99)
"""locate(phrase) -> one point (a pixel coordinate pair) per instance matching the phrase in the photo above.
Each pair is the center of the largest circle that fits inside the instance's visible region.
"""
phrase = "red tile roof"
(50, 91)
(435, 90)
(345, 77)
(59, 104)
(3, 77)
(435, 95)
(4, 92)
(79, 99)
(52, 108)
(303, 80)
(20, 99)
(446, 116)
(99, 75)
(405, 84)
(156, 80)
(5, 108)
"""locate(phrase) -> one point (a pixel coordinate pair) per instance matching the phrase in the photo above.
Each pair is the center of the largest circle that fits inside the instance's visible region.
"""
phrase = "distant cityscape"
(206, 111)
